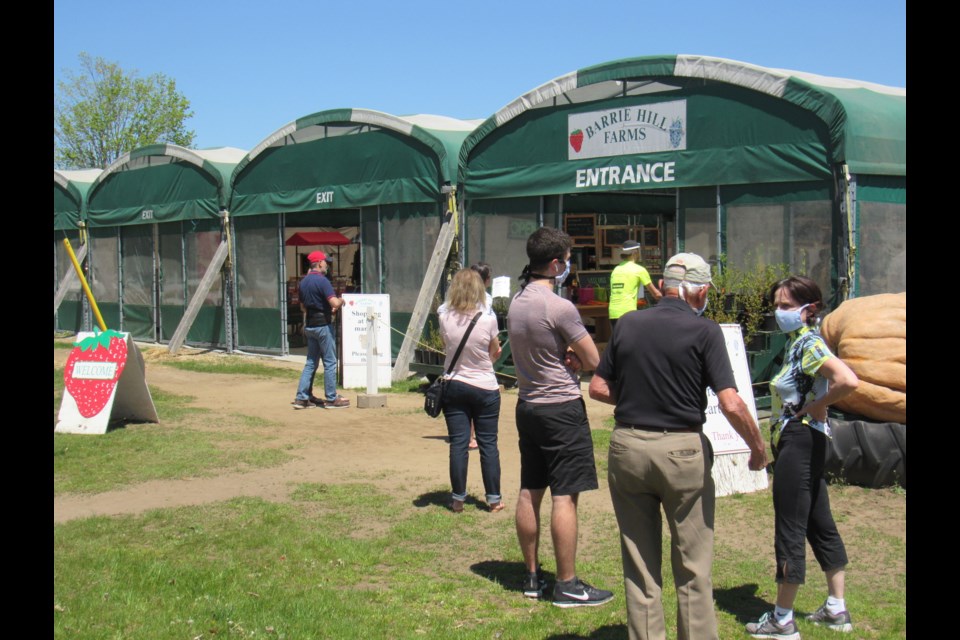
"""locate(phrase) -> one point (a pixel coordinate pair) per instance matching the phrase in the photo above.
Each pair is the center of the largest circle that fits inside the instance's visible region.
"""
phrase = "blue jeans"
(321, 343)
(461, 404)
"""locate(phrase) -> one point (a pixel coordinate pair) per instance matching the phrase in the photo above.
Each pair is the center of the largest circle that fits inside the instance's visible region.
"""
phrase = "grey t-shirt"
(541, 325)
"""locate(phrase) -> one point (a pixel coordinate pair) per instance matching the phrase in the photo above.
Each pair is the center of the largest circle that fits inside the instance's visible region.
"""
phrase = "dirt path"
(397, 448)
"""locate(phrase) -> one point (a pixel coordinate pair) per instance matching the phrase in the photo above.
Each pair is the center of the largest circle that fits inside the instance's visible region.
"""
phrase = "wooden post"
(68, 278)
(431, 280)
(212, 273)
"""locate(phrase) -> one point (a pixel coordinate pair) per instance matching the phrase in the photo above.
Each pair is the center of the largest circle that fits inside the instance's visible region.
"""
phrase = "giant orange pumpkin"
(870, 335)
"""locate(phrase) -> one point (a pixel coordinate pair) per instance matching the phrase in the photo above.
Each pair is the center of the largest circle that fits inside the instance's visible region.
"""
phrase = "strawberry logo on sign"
(576, 140)
(93, 368)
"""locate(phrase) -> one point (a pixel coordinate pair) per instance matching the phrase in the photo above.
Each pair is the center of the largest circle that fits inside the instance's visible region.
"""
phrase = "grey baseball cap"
(688, 267)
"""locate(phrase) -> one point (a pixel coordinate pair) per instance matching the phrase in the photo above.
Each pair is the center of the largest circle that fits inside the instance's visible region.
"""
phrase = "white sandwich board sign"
(730, 471)
(354, 314)
(104, 382)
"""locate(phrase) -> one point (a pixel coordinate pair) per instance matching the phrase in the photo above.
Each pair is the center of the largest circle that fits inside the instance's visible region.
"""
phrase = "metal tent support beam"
(438, 260)
(69, 278)
(211, 275)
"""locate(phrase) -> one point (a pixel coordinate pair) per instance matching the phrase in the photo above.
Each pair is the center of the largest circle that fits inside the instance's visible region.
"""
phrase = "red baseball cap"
(317, 256)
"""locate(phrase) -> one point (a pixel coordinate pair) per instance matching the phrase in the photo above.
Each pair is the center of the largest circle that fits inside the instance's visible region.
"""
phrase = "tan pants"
(646, 470)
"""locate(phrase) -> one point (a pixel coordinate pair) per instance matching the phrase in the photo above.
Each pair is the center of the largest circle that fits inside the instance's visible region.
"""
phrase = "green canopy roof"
(346, 158)
(743, 123)
(162, 183)
(69, 190)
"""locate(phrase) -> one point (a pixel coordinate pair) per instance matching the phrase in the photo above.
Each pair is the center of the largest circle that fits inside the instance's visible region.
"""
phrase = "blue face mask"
(563, 276)
(789, 320)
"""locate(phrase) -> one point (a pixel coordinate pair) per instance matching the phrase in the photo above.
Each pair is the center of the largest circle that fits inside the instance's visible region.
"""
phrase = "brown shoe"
(456, 506)
(496, 506)
(339, 403)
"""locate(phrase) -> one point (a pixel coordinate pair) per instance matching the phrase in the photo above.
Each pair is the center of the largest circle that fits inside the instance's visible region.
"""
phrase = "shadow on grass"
(606, 632)
(509, 575)
(442, 499)
(742, 602)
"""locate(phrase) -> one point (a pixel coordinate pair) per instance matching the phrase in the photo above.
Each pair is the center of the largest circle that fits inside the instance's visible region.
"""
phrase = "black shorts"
(556, 449)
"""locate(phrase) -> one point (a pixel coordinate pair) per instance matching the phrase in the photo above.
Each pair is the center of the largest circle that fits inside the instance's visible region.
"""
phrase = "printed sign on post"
(104, 382)
(355, 328)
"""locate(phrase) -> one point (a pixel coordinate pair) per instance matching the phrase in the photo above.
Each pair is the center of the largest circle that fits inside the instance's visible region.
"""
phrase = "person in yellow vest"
(625, 282)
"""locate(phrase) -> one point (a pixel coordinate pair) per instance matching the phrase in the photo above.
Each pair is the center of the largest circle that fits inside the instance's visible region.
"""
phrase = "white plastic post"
(371, 351)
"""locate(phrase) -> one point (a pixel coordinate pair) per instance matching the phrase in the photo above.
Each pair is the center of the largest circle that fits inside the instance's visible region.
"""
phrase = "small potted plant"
(500, 306)
(435, 347)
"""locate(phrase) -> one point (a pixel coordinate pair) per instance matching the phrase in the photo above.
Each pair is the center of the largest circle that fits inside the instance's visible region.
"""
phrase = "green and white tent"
(154, 221)
(69, 199)
(377, 177)
(726, 158)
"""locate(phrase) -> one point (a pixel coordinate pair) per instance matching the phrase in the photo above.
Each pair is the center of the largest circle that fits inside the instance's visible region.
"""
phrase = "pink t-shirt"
(541, 325)
(473, 366)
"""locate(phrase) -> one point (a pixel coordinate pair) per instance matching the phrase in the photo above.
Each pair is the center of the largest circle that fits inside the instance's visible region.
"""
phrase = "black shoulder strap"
(466, 335)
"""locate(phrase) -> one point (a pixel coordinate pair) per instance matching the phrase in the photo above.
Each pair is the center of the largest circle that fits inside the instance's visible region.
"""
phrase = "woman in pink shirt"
(472, 393)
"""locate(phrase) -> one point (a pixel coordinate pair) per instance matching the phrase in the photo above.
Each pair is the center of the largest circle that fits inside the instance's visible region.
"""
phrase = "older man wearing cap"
(659, 455)
(319, 302)
(625, 282)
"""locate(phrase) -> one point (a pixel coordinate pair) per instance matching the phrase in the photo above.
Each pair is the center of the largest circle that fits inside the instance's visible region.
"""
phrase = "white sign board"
(501, 287)
(628, 130)
(103, 382)
(730, 471)
(355, 329)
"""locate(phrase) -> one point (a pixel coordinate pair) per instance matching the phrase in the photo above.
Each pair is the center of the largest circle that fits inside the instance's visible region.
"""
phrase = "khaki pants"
(646, 470)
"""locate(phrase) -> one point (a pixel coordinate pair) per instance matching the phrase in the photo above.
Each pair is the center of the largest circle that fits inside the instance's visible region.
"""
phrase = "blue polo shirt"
(315, 292)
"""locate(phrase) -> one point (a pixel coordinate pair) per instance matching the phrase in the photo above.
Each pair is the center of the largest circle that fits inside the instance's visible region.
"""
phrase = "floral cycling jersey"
(797, 383)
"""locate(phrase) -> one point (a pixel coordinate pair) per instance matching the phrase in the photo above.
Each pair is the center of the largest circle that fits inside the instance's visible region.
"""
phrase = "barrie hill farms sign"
(646, 128)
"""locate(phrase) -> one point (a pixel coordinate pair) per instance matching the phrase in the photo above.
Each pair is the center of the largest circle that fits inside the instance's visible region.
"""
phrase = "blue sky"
(248, 68)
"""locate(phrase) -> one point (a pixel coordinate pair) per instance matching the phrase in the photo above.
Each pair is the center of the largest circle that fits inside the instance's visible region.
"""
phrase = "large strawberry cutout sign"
(104, 381)
(93, 368)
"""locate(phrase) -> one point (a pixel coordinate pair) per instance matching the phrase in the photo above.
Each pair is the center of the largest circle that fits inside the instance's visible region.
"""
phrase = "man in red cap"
(319, 302)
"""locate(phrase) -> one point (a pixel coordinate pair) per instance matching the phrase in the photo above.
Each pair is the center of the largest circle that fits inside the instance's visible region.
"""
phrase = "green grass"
(309, 569)
(351, 561)
(175, 448)
(232, 366)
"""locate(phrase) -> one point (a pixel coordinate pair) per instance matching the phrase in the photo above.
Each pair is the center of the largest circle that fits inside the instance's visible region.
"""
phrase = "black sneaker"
(534, 585)
(577, 593)
(302, 404)
(838, 622)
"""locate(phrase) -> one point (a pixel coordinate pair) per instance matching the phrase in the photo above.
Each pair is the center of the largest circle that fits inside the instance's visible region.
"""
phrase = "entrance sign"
(104, 382)
(354, 318)
(730, 471)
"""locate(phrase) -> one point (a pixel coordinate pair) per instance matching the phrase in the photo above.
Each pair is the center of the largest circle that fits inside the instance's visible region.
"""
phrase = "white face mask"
(563, 276)
(706, 300)
(789, 320)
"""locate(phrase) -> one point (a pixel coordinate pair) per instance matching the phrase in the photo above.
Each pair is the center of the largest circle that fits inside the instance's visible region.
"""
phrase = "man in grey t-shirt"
(549, 345)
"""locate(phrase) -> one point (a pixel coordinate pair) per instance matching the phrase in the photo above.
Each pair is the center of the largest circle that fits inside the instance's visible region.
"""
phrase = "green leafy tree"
(102, 112)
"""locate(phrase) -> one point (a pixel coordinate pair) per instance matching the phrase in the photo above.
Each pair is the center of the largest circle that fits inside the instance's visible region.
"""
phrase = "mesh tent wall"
(381, 173)
(69, 198)
(737, 145)
(154, 220)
